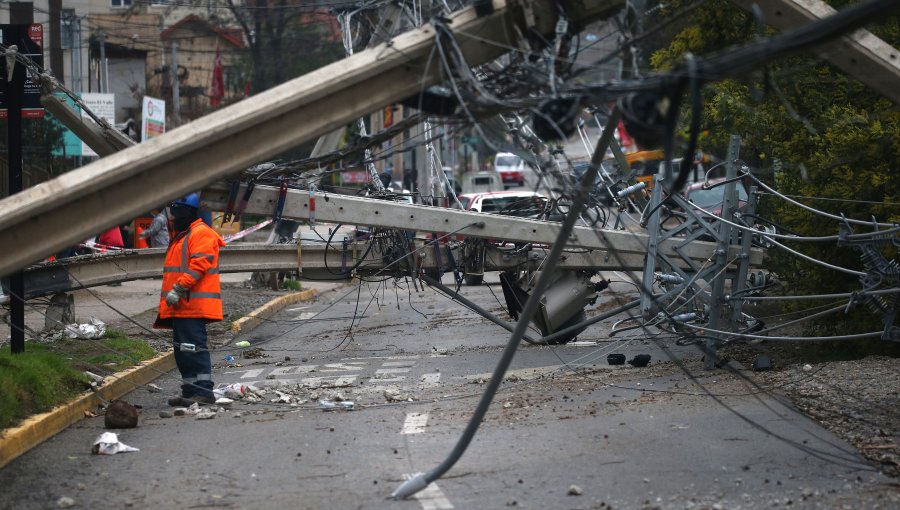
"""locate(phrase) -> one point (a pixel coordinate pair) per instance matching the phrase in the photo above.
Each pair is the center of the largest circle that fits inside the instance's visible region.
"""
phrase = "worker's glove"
(175, 294)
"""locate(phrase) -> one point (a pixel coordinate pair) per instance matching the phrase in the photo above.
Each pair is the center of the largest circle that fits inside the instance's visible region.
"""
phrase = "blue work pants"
(193, 362)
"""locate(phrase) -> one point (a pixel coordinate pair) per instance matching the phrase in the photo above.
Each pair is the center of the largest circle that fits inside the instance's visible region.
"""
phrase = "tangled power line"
(539, 81)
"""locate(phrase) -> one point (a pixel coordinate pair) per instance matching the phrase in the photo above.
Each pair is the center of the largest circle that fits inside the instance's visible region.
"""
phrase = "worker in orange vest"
(191, 297)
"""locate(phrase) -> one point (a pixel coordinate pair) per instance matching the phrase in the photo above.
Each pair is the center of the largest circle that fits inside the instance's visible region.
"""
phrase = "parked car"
(511, 169)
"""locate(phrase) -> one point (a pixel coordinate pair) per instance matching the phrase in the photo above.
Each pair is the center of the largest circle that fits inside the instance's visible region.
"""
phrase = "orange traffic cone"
(139, 242)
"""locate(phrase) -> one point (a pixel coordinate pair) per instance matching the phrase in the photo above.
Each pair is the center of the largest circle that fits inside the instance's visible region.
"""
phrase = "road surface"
(665, 436)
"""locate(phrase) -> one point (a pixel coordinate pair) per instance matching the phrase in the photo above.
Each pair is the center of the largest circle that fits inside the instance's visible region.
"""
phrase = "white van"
(481, 182)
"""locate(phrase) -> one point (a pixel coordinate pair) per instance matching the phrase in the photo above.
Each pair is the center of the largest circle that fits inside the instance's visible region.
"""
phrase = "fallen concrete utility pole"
(381, 213)
(104, 140)
(859, 54)
(65, 210)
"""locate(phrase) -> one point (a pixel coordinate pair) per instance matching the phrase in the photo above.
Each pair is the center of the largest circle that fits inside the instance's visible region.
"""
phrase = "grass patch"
(46, 375)
(35, 381)
(293, 285)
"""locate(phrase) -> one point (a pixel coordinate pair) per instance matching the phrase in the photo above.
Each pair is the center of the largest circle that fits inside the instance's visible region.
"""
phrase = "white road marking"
(328, 381)
(431, 497)
(299, 369)
(306, 315)
(391, 371)
(343, 367)
(297, 309)
(398, 363)
(415, 423)
(252, 373)
(430, 380)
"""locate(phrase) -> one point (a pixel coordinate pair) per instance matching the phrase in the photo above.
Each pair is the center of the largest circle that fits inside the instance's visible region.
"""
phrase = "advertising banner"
(153, 121)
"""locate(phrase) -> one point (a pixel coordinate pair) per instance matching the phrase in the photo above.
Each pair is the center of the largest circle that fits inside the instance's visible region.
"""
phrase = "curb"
(256, 317)
(38, 428)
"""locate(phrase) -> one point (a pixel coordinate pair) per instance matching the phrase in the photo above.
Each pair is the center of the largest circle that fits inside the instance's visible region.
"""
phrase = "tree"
(286, 39)
(817, 132)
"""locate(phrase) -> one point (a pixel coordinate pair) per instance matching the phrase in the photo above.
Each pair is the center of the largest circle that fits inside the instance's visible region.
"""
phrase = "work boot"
(188, 401)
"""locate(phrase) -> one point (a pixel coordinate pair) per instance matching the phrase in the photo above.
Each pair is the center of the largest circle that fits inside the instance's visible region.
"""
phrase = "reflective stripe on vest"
(183, 268)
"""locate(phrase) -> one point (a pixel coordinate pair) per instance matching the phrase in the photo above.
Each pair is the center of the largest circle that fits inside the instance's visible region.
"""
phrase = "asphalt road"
(668, 436)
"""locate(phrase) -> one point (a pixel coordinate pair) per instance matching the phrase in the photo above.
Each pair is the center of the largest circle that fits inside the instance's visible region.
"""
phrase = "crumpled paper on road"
(108, 444)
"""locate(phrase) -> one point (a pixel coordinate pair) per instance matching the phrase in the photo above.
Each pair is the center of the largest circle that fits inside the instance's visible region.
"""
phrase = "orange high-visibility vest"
(192, 262)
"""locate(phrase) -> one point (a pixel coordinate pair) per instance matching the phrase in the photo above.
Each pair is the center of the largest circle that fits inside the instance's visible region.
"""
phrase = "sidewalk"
(131, 299)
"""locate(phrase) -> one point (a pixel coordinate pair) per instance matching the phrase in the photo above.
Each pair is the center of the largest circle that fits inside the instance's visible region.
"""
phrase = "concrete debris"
(283, 398)
(108, 444)
(179, 411)
(575, 490)
(395, 395)
(121, 415)
(166, 414)
(224, 401)
(65, 502)
(233, 391)
(236, 415)
(206, 414)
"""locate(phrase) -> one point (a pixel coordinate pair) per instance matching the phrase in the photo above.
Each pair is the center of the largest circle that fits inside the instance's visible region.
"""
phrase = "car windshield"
(513, 206)
(713, 197)
(507, 161)
(464, 202)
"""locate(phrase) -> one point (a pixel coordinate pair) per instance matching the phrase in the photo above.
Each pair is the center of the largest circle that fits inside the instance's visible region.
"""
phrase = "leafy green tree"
(813, 132)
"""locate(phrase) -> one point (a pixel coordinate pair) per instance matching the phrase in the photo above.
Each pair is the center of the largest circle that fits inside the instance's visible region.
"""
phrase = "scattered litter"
(229, 359)
(121, 415)
(807, 367)
(330, 405)
(236, 415)
(440, 351)
(65, 502)
(233, 391)
(254, 353)
(96, 378)
(94, 329)
(242, 343)
(575, 490)
(108, 444)
(224, 401)
(152, 388)
(90, 414)
(179, 411)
